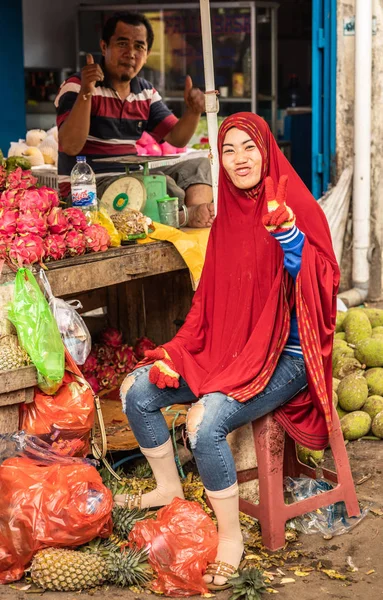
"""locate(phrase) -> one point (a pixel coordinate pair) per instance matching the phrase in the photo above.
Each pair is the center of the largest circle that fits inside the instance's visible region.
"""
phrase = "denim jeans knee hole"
(124, 389)
(193, 422)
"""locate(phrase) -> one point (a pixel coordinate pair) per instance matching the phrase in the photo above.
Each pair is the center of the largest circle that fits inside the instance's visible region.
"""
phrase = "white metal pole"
(211, 102)
(362, 143)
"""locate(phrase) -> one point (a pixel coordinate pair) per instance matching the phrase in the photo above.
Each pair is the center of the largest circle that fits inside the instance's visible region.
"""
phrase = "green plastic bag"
(37, 331)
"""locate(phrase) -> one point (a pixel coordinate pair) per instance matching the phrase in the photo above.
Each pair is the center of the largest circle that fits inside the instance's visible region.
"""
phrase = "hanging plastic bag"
(42, 504)
(74, 332)
(181, 541)
(330, 520)
(37, 331)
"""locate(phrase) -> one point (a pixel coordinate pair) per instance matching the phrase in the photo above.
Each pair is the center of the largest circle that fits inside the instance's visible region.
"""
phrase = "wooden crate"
(16, 387)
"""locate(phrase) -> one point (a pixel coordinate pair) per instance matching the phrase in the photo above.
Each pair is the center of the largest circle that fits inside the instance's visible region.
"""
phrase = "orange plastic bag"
(64, 419)
(63, 505)
(181, 541)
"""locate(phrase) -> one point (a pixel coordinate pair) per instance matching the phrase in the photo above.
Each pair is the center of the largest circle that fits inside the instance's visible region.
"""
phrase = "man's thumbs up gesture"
(279, 217)
(90, 74)
(194, 98)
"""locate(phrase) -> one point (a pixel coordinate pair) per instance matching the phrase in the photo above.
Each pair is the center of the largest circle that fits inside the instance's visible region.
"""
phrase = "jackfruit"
(377, 330)
(340, 317)
(370, 352)
(352, 392)
(339, 351)
(374, 378)
(373, 405)
(341, 412)
(335, 383)
(375, 316)
(377, 425)
(357, 326)
(345, 365)
(309, 457)
(335, 398)
(355, 425)
(340, 336)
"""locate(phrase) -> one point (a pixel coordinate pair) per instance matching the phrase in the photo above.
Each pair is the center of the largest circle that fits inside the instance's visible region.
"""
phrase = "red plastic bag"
(181, 541)
(63, 505)
(64, 419)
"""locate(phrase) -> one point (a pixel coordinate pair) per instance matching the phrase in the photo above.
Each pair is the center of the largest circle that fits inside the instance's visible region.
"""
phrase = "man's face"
(127, 51)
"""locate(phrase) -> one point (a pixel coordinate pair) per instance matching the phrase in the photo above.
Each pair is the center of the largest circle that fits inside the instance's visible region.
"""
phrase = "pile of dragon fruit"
(111, 358)
(33, 227)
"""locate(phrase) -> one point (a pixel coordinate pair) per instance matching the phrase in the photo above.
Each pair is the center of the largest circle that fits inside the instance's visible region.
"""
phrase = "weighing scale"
(137, 189)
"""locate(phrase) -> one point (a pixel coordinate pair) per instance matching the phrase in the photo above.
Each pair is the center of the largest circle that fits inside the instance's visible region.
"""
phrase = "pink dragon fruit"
(104, 354)
(125, 359)
(57, 222)
(8, 221)
(52, 195)
(3, 177)
(32, 222)
(35, 200)
(76, 219)
(10, 199)
(19, 179)
(3, 247)
(75, 243)
(27, 250)
(97, 238)
(90, 365)
(112, 337)
(92, 380)
(141, 345)
(55, 246)
(107, 377)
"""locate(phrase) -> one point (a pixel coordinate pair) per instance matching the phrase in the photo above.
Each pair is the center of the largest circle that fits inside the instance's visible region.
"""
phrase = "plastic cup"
(168, 211)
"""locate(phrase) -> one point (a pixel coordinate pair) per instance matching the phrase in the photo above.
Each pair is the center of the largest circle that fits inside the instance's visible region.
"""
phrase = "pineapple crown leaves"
(125, 519)
(129, 567)
(249, 584)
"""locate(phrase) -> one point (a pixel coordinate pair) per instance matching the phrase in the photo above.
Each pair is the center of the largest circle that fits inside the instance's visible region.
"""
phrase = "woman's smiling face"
(241, 159)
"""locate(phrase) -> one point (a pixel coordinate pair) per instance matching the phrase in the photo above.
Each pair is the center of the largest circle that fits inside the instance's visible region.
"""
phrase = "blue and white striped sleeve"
(291, 242)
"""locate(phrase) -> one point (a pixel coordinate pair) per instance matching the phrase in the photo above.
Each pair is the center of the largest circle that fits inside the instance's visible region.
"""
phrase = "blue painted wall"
(12, 93)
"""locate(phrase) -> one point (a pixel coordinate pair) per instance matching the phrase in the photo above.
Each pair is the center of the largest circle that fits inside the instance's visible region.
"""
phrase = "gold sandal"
(220, 568)
(132, 500)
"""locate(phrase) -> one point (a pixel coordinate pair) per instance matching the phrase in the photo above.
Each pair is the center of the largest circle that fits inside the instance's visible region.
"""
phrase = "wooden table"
(146, 290)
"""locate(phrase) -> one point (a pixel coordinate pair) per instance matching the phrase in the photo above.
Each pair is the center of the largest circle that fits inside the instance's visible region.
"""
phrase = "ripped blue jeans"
(215, 415)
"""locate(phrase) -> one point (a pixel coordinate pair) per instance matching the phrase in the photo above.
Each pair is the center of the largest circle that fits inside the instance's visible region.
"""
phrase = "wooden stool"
(276, 458)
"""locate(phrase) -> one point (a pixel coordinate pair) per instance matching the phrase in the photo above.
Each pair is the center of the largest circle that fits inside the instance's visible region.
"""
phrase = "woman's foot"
(154, 499)
(229, 554)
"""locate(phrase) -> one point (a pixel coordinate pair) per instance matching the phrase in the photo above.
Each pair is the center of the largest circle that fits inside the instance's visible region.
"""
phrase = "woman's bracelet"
(186, 215)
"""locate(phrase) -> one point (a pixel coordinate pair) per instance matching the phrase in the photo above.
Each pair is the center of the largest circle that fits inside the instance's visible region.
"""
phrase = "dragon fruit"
(112, 337)
(104, 354)
(57, 222)
(52, 195)
(92, 380)
(3, 177)
(8, 221)
(97, 238)
(76, 219)
(55, 246)
(32, 222)
(27, 249)
(107, 377)
(10, 199)
(90, 365)
(3, 247)
(143, 344)
(75, 243)
(125, 359)
(19, 179)
(35, 200)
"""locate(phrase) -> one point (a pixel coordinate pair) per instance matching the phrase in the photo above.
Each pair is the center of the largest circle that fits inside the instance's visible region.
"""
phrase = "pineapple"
(125, 519)
(12, 356)
(249, 584)
(100, 561)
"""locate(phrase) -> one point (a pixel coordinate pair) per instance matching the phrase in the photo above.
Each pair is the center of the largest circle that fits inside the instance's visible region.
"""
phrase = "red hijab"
(240, 317)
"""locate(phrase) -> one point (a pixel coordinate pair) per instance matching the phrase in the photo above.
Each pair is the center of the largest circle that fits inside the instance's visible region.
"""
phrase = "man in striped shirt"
(104, 110)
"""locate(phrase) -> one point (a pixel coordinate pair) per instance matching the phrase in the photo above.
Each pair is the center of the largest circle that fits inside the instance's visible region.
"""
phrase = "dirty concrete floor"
(364, 545)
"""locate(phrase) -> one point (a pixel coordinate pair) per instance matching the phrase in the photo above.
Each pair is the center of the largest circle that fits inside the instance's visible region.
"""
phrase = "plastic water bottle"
(83, 187)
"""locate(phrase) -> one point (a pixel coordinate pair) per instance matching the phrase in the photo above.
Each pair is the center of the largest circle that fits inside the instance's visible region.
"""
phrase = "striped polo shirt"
(115, 124)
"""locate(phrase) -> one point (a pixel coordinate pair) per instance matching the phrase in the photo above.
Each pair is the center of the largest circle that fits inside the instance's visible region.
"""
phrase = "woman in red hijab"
(258, 337)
